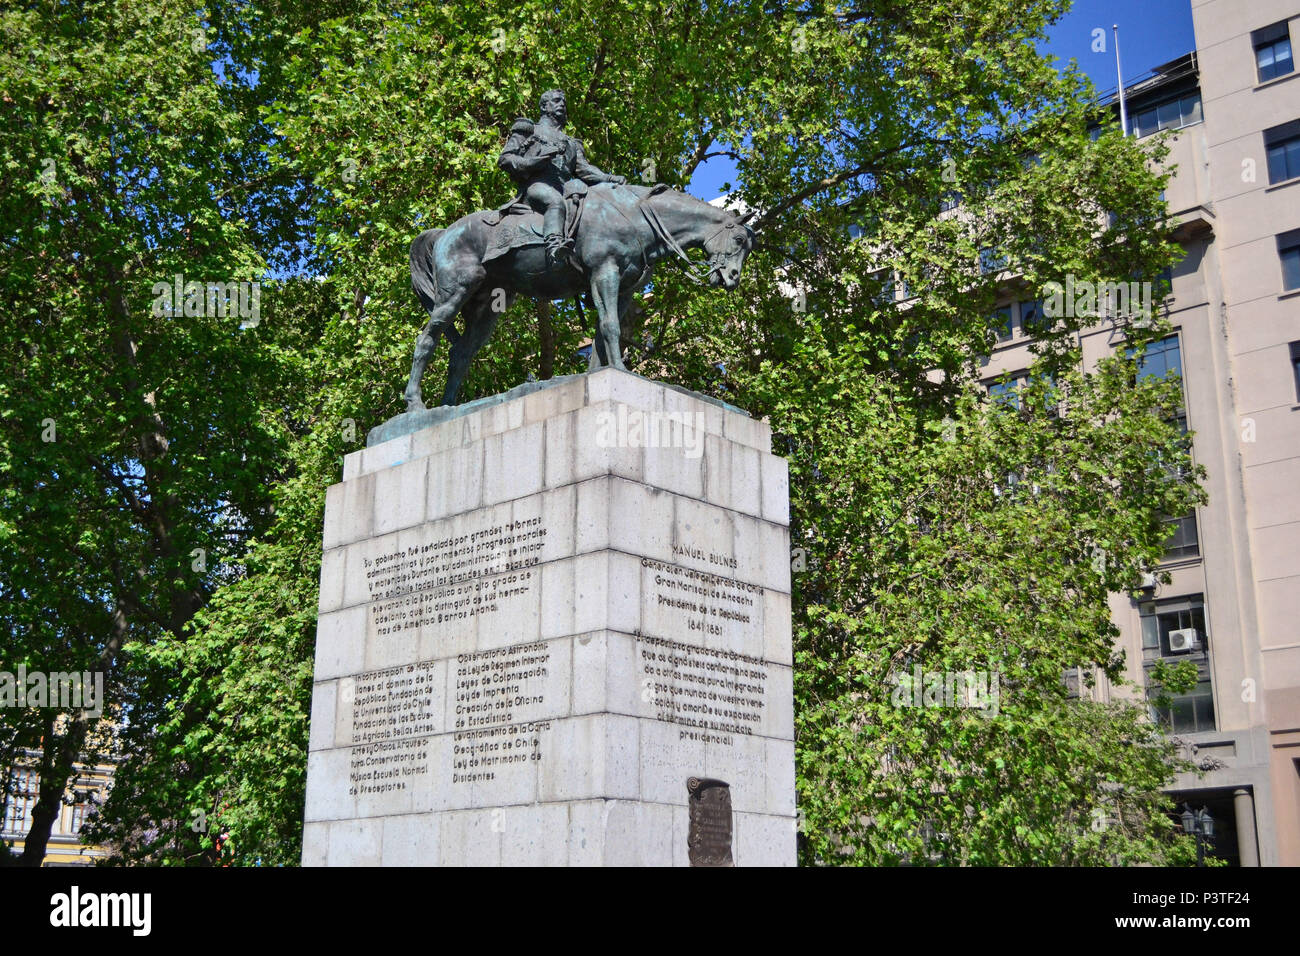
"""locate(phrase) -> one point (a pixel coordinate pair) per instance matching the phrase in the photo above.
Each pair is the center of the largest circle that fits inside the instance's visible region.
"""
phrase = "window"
(1183, 541)
(856, 231)
(1174, 631)
(1002, 323)
(1288, 251)
(1008, 392)
(1273, 51)
(1282, 146)
(1172, 114)
(21, 800)
(78, 817)
(991, 260)
(1033, 320)
(882, 282)
(1295, 367)
(1161, 359)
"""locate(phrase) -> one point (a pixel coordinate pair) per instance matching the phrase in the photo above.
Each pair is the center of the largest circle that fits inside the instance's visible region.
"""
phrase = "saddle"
(516, 226)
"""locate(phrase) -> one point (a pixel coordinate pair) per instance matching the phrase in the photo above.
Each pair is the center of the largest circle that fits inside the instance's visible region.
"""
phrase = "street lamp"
(1200, 824)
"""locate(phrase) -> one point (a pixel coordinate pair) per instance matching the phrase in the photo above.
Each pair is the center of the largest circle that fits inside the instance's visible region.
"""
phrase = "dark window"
(1183, 541)
(1175, 631)
(22, 798)
(1295, 367)
(1173, 114)
(1008, 392)
(991, 260)
(1288, 251)
(1162, 358)
(1033, 321)
(1273, 51)
(1002, 322)
(882, 284)
(1165, 358)
(1282, 146)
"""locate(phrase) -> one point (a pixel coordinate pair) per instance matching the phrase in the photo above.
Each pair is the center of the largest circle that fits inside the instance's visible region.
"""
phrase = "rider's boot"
(559, 250)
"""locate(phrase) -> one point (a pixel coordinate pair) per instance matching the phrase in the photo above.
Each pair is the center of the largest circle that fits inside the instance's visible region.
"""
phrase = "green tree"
(139, 427)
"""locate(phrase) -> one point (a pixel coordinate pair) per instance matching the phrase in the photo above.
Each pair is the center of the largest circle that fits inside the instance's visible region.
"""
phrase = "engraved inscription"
(387, 767)
(496, 690)
(454, 578)
(394, 702)
(492, 687)
(478, 754)
(713, 690)
(706, 601)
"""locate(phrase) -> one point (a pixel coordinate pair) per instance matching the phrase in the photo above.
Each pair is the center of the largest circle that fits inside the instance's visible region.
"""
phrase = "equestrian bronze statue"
(571, 228)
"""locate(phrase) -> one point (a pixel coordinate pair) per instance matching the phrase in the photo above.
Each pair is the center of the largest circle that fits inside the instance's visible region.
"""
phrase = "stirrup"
(558, 251)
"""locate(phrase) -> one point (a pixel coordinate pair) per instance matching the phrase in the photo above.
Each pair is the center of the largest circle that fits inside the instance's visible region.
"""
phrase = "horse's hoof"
(415, 405)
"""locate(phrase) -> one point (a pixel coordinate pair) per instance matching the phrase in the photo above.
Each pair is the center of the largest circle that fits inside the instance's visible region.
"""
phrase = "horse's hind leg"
(480, 319)
(440, 323)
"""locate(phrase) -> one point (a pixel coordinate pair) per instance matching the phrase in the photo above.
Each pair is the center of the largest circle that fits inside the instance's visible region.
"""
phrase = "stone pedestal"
(552, 626)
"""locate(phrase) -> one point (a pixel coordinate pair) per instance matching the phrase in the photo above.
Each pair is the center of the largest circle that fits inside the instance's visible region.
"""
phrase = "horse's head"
(727, 249)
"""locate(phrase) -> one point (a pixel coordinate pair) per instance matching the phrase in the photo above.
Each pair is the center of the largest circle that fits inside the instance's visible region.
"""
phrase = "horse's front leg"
(605, 281)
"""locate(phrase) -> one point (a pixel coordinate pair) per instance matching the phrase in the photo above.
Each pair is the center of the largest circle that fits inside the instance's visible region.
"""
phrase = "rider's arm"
(588, 173)
(514, 159)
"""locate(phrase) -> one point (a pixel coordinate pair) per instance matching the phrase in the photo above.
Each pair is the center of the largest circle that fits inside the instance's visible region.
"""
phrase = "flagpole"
(1119, 75)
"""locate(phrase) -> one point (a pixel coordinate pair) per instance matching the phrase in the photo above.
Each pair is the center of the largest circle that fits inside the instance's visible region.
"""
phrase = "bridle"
(716, 261)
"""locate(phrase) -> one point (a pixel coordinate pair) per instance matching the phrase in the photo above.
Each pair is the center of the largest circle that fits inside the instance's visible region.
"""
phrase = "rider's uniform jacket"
(529, 140)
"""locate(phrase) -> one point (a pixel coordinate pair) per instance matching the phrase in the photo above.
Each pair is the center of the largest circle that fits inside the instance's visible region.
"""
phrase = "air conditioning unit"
(1184, 640)
(1148, 581)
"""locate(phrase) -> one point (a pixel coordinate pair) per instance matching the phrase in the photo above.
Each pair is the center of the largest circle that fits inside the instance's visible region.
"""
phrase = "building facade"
(1233, 602)
(65, 847)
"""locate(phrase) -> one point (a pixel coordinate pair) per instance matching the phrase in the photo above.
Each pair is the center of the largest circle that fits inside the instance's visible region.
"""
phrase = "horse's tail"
(424, 272)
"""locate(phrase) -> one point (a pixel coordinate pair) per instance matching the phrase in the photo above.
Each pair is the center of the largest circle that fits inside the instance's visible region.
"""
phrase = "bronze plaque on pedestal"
(709, 840)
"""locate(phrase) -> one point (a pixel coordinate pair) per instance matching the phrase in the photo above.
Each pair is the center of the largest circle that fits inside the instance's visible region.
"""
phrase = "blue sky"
(1151, 32)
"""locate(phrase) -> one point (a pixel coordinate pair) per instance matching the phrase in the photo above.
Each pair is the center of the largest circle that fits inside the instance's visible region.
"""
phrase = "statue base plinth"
(554, 629)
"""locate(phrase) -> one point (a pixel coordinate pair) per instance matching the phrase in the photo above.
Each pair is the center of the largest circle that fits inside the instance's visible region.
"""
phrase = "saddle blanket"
(516, 225)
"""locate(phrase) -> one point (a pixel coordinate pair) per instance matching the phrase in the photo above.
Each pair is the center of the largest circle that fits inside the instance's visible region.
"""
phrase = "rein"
(664, 236)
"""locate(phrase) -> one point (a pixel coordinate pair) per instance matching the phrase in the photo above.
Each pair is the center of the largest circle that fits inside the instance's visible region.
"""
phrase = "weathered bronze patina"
(571, 229)
(708, 841)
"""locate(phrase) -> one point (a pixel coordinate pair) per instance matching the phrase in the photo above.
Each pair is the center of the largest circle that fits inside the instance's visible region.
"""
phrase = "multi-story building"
(65, 847)
(1233, 601)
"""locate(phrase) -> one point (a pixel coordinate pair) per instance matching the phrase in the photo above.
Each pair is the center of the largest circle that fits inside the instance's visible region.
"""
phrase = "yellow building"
(64, 848)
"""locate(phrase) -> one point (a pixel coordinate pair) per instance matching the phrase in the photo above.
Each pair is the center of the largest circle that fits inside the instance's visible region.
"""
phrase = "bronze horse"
(623, 231)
